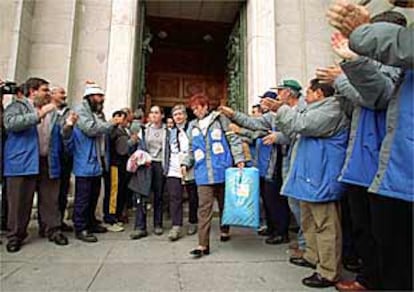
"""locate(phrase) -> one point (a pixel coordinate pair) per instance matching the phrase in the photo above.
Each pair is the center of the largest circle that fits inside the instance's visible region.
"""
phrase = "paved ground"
(116, 263)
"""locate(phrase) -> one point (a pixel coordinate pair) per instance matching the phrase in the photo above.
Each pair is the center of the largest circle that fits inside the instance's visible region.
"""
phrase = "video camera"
(8, 87)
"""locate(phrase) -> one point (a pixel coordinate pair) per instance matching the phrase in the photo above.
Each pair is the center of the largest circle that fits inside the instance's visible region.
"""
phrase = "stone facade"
(71, 41)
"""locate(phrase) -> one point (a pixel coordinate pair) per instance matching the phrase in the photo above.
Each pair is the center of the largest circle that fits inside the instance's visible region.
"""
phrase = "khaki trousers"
(20, 192)
(206, 195)
(321, 226)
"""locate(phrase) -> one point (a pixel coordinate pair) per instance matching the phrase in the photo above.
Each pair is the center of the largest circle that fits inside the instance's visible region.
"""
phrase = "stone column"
(261, 58)
(51, 40)
(302, 38)
(122, 41)
(15, 30)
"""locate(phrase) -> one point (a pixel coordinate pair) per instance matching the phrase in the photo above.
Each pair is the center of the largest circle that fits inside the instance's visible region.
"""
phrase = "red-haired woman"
(212, 151)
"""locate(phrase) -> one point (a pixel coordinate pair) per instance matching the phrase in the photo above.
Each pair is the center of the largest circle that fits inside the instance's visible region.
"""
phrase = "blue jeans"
(295, 208)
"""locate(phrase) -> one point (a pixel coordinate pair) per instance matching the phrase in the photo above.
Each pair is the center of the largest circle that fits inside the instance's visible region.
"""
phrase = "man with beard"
(86, 145)
(58, 98)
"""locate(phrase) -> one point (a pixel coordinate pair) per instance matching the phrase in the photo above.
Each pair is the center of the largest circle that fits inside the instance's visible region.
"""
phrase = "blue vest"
(212, 155)
(362, 164)
(313, 175)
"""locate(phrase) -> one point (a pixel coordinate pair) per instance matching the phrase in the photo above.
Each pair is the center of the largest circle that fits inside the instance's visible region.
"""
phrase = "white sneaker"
(114, 228)
(175, 233)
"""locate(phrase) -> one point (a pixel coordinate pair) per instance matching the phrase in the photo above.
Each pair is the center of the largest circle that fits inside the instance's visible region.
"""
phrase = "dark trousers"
(191, 189)
(3, 215)
(124, 193)
(392, 226)
(276, 207)
(87, 191)
(348, 245)
(157, 187)
(358, 201)
(67, 165)
(20, 192)
(175, 191)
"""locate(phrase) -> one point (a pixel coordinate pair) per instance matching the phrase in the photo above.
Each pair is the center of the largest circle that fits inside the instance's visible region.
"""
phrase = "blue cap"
(269, 94)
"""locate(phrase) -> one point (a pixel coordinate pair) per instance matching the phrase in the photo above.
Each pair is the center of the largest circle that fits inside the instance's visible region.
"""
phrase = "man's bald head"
(58, 96)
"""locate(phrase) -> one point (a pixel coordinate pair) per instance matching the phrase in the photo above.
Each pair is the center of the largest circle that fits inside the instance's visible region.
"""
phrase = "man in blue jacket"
(32, 163)
(316, 161)
(89, 146)
(393, 184)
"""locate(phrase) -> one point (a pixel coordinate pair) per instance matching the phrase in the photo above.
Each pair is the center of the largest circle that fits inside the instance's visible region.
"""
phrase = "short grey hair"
(294, 93)
(179, 107)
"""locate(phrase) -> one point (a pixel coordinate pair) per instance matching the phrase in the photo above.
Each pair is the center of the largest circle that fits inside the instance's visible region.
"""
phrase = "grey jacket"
(264, 124)
(321, 119)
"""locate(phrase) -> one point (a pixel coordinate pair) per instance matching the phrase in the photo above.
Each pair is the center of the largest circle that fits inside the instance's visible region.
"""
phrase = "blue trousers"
(295, 208)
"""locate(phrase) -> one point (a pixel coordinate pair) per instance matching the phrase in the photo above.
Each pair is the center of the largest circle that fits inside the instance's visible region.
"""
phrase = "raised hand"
(328, 74)
(44, 110)
(272, 104)
(227, 111)
(346, 17)
(340, 45)
(71, 119)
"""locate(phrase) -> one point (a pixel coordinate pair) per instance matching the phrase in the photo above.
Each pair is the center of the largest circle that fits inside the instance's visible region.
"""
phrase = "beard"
(62, 105)
(96, 107)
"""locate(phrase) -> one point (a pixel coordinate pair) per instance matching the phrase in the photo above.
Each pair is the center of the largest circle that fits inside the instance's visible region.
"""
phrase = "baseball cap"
(269, 94)
(289, 83)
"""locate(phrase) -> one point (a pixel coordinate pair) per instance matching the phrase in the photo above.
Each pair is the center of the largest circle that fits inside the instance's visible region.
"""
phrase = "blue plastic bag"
(241, 200)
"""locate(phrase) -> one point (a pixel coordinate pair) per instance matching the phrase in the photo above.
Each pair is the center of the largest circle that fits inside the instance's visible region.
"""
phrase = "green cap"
(289, 83)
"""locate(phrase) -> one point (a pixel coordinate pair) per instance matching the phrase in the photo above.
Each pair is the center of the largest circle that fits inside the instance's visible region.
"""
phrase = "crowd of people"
(338, 155)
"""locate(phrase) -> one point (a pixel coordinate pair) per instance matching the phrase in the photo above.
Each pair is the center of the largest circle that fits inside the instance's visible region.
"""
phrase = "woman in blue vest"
(212, 151)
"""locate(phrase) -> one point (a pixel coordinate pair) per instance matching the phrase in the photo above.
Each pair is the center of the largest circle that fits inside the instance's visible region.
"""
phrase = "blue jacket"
(368, 116)
(21, 149)
(85, 142)
(268, 158)
(315, 166)
(392, 45)
(213, 153)
(319, 153)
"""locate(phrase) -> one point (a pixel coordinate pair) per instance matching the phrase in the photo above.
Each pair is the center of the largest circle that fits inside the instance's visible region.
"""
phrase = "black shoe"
(352, 264)
(86, 236)
(198, 253)
(13, 246)
(66, 228)
(302, 263)
(224, 238)
(58, 238)
(98, 229)
(277, 239)
(317, 281)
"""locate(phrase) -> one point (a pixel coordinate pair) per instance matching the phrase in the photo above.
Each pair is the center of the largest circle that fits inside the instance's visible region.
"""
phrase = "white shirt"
(204, 123)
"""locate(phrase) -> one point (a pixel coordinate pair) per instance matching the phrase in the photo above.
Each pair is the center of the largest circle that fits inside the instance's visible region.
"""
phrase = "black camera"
(8, 87)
